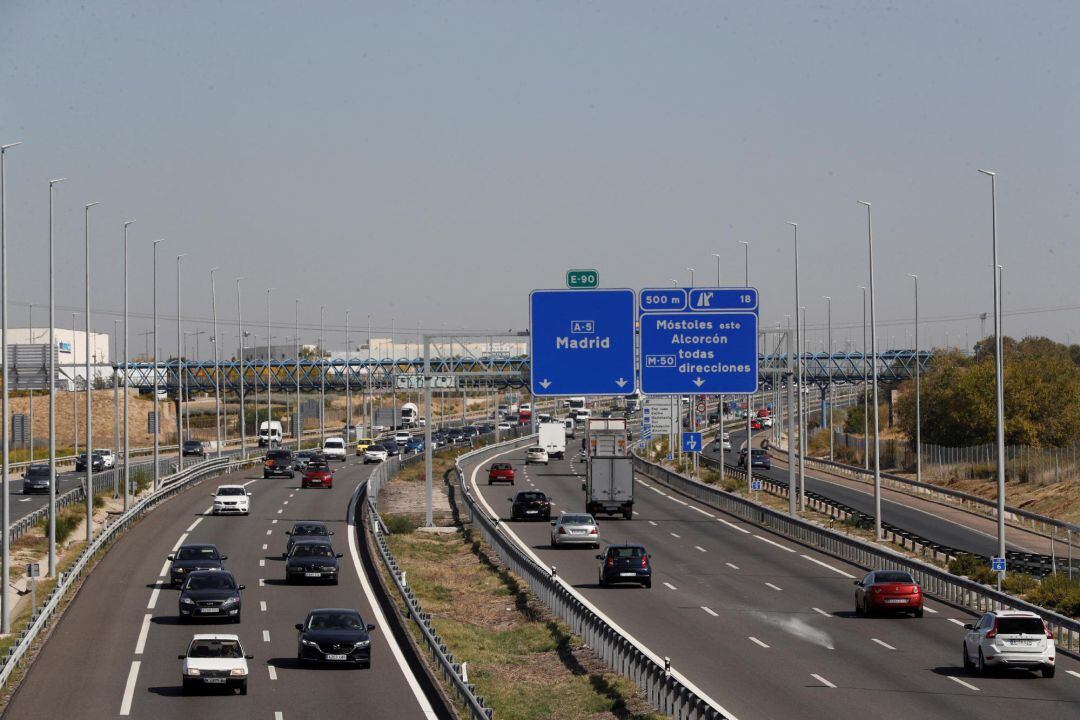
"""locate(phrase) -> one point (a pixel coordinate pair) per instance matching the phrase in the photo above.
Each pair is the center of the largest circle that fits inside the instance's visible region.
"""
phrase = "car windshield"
(313, 550)
(577, 520)
(206, 552)
(332, 444)
(500, 466)
(309, 530)
(192, 443)
(626, 552)
(38, 470)
(231, 491)
(210, 581)
(318, 466)
(279, 455)
(215, 649)
(893, 576)
(335, 621)
(1020, 626)
(529, 496)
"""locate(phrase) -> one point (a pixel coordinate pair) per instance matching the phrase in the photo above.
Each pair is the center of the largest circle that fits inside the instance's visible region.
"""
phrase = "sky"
(433, 162)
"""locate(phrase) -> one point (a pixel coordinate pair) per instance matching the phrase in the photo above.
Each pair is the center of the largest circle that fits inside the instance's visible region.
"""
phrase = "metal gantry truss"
(847, 368)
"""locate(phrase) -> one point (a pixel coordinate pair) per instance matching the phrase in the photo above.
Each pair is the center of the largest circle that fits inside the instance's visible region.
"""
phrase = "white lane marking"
(883, 644)
(164, 569)
(262, 606)
(285, 503)
(273, 672)
(279, 512)
(635, 512)
(1073, 673)
(266, 636)
(674, 535)
(262, 563)
(129, 688)
(525, 548)
(968, 685)
(670, 586)
(699, 548)
(278, 715)
(262, 582)
(755, 640)
(827, 565)
(930, 610)
(957, 622)
(25, 499)
(154, 596)
(194, 524)
(733, 526)
(702, 511)
(772, 542)
(652, 523)
(380, 621)
(274, 521)
(269, 531)
(291, 494)
(179, 542)
(264, 546)
(822, 680)
(732, 566)
(822, 612)
(645, 484)
(775, 587)
(140, 644)
(709, 610)
(672, 497)
(659, 492)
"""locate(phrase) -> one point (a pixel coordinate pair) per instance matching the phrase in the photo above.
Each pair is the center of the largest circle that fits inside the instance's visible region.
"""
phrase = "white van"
(269, 433)
(568, 423)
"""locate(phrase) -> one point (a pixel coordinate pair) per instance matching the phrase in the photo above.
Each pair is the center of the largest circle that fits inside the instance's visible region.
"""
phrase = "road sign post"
(582, 342)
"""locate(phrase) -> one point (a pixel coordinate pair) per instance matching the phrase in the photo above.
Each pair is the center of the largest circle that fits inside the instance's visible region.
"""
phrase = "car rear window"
(627, 552)
(333, 444)
(1020, 626)
(892, 576)
(577, 520)
(210, 581)
(312, 551)
(501, 466)
(309, 530)
(531, 496)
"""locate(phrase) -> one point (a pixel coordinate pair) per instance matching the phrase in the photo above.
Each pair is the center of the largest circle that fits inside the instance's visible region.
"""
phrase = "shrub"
(1059, 593)
(973, 567)
(400, 524)
(1019, 583)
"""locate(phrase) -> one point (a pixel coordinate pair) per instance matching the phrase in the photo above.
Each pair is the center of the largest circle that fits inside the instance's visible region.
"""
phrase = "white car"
(334, 448)
(108, 458)
(402, 436)
(536, 455)
(727, 441)
(1009, 639)
(213, 661)
(231, 499)
(766, 422)
(375, 453)
(575, 529)
(505, 426)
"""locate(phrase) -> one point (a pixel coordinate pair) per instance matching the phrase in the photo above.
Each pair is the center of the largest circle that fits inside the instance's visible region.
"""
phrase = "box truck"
(553, 439)
(609, 476)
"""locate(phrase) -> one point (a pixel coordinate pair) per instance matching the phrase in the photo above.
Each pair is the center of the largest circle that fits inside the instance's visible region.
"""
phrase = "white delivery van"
(568, 424)
(553, 439)
(269, 433)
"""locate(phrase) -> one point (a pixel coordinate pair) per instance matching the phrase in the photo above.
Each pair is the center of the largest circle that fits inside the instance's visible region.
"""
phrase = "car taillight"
(1049, 632)
(562, 531)
(993, 631)
(610, 561)
(644, 561)
(594, 531)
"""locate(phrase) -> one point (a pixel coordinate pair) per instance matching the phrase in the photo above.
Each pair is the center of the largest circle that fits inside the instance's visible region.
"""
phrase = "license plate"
(531, 512)
(627, 574)
(337, 657)
(1021, 642)
(216, 681)
(577, 532)
(895, 601)
(209, 610)
(312, 574)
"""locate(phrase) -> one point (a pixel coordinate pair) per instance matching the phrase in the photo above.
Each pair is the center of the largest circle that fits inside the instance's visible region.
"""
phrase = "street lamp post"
(5, 626)
(117, 449)
(299, 429)
(874, 375)
(89, 384)
(269, 370)
(322, 380)
(798, 370)
(179, 371)
(749, 397)
(217, 362)
(367, 383)
(240, 337)
(157, 412)
(918, 389)
(52, 390)
(829, 393)
(30, 392)
(348, 389)
(865, 395)
(127, 453)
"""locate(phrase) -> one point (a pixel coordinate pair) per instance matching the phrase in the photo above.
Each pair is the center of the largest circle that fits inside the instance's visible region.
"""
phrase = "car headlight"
(231, 601)
(238, 672)
(192, 671)
(362, 644)
(186, 601)
(309, 643)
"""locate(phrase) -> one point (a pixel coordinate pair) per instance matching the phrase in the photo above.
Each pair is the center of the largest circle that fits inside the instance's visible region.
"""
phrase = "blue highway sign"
(997, 564)
(755, 485)
(692, 352)
(712, 299)
(582, 342)
(662, 299)
(691, 442)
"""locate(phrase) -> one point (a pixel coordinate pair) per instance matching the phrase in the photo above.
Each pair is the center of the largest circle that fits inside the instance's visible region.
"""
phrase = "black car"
(194, 447)
(312, 560)
(98, 463)
(305, 530)
(36, 479)
(334, 635)
(625, 564)
(530, 505)
(279, 463)
(211, 594)
(303, 458)
(758, 458)
(189, 558)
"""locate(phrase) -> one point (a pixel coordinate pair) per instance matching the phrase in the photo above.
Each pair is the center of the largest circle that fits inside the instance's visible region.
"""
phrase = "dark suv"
(98, 462)
(36, 479)
(279, 463)
(626, 564)
(194, 447)
(530, 505)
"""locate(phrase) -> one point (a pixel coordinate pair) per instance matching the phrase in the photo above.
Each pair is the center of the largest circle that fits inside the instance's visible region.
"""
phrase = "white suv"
(1009, 638)
(108, 458)
(334, 448)
(402, 436)
(215, 661)
(231, 499)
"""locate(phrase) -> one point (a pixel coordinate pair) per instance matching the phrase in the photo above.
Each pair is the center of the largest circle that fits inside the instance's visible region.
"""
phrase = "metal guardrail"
(952, 589)
(84, 563)
(666, 689)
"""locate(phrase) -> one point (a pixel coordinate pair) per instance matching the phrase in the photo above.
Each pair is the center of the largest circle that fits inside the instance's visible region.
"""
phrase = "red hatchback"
(888, 591)
(317, 475)
(501, 472)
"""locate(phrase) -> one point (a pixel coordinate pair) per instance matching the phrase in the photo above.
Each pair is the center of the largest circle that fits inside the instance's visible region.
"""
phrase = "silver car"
(575, 529)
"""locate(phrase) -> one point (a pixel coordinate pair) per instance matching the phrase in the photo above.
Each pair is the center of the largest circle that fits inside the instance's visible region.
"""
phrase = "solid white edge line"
(883, 644)
(678, 501)
(581, 598)
(388, 637)
(733, 526)
(710, 611)
(827, 565)
(129, 688)
(702, 511)
(140, 644)
(1073, 673)
(179, 542)
(755, 640)
(773, 542)
(961, 623)
(822, 680)
(968, 685)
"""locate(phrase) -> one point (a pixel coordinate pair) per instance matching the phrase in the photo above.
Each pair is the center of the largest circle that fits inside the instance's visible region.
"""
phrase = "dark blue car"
(758, 458)
(415, 445)
(626, 564)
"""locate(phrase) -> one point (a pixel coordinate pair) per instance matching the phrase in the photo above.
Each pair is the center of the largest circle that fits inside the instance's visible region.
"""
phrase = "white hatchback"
(215, 661)
(334, 448)
(1009, 639)
(231, 499)
(536, 455)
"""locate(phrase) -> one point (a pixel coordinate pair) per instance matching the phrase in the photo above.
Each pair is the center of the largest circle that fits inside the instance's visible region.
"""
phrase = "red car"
(755, 425)
(317, 475)
(501, 472)
(888, 591)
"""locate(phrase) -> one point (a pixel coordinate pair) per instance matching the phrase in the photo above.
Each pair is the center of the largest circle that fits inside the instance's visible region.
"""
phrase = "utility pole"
(127, 448)
(179, 371)
(322, 379)
(157, 413)
(5, 625)
(874, 377)
(918, 389)
(298, 431)
(89, 386)
(52, 392)
(829, 392)
(240, 337)
(217, 363)
(348, 389)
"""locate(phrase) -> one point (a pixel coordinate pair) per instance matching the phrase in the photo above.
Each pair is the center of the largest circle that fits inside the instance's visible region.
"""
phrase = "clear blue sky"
(435, 161)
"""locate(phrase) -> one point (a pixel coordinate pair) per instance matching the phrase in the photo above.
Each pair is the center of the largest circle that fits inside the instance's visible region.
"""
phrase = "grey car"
(575, 529)
(36, 479)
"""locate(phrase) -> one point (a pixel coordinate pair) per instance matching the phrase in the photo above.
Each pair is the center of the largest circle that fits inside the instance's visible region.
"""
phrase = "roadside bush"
(66, 521)
(1019, 583)
(974, 568)
(1059, 593)
(400, 524)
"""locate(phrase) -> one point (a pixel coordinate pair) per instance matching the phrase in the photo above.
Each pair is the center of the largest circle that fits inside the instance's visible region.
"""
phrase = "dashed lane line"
(733, 526)
(262, 606)
(129, 688)
(140, 644)
(968, 685)
(707, 514)
(775, 587)
(773, 542)
(758, 642)
(652, 523)
(266, 636)
(273, 672)
(732, 566)
(699, 548)
(194, 524)
(956, 622)
(269, 531)
(262, 563)
(154, 596)
(164, 569)
(822, 612)
(1073, 673)
(883, 644)
(670, 586)
(674, 535)
(710, 611)
(822, 680)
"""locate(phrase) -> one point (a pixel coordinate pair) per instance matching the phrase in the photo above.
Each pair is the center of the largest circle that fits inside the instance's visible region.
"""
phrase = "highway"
(114, 652)
(765, 626)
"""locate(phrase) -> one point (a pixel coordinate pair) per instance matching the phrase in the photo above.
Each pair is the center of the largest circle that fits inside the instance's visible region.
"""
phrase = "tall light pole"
(367, 382)
(322, 380)
(720, 398)
(30, 393)
(798, 370)
(52, 392)
(240, 337)
(127, 453)
(918, 389)
(691, 276)
(157, 412)
(865, 395)
(348, 390)
(999, 373)
(117, 448)
(269, 357)
(5, 626)
(749, 397)
(299, 429)
(179, 370)
(874, 375)
(74, 389)
(217, 362)
(89, 384)
(829, 393)
(717, 256)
